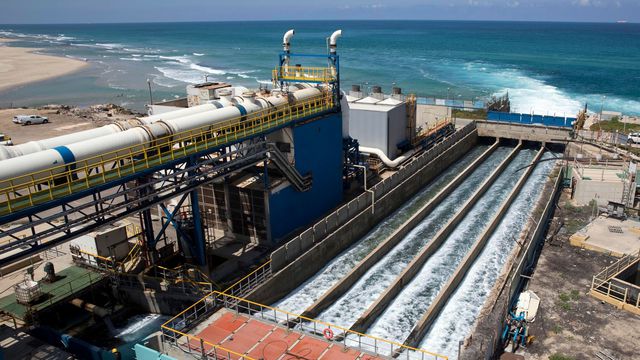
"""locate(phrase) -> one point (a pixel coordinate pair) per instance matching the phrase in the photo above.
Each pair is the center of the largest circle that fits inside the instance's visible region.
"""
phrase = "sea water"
(547, 68)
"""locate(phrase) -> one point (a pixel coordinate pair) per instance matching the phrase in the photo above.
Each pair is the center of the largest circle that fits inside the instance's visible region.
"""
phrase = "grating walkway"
(262, 340)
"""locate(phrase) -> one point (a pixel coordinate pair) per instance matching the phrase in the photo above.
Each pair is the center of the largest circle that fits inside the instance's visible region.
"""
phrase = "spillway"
(402, 314)
(496, 178)
(353, 304)
(307, 293)
(463, 307)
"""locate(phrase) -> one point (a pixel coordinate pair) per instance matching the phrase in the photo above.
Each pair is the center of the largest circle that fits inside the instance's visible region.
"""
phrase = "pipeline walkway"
(70, 200)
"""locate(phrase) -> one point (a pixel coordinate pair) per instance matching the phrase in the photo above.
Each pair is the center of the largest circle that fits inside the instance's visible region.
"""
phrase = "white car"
(30, 119)
(633, 138)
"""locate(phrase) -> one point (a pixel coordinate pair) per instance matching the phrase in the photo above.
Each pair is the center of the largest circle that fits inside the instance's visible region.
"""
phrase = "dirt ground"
(570, 322)
(62, 121)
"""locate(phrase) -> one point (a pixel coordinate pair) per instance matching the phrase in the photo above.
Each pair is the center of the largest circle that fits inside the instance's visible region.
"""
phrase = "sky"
(93, 11)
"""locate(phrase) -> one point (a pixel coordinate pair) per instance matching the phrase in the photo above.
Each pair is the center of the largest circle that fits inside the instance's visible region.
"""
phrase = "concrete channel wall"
(537, 133)
(306, 254)
(484, 341)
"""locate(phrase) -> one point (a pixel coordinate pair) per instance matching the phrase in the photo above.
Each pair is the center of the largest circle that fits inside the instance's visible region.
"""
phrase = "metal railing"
(297, 73)
(606, 285)
(174, 330)
(68, 289)
(251, 281)
(612, 270)
(42, 186)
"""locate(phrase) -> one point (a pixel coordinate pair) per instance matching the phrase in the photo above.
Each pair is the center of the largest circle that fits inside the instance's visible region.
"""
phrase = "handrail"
(265, 272)
(222, 300)
(41, 186)
(297, 73)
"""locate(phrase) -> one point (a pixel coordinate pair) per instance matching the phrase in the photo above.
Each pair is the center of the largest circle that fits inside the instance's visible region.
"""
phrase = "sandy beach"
(19, 66)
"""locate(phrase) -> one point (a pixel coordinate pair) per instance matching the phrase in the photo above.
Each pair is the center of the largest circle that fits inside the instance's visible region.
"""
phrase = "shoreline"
(22, 66)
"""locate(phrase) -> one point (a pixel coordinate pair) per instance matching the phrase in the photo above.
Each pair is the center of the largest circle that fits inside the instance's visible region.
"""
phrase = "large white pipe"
(333, 41)
(112, 145)
(286, 39)
(7, 152)
(392, 164)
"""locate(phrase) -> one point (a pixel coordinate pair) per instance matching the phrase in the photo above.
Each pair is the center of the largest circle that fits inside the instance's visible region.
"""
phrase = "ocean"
(547, 68)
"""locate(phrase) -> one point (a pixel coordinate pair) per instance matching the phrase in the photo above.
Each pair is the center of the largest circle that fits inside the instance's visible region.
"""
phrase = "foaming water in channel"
(398, 319)
(346, 310)
(461, 311)
(312, 289)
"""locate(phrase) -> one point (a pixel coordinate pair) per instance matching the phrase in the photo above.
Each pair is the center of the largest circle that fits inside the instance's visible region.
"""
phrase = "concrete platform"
(259, 339)
(610, 236)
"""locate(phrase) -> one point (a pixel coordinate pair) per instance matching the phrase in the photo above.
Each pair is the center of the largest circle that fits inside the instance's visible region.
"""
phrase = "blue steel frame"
(65, 201)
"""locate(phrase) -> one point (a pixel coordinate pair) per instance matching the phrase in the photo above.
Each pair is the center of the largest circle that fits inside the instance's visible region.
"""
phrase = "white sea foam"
(198, 54)
(206, 69)
(110, 46)
(180, 74)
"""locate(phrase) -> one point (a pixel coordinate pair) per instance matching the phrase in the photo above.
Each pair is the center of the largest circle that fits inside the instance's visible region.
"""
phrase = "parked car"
(633, 138)
(5, 140)
(30, 119)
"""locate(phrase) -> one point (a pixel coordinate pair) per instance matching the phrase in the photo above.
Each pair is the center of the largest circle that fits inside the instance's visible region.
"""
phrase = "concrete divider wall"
(291, 268)
(484, 341)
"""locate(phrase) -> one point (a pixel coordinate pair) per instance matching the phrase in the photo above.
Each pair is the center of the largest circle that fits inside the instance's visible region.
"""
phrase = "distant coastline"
(20, 66)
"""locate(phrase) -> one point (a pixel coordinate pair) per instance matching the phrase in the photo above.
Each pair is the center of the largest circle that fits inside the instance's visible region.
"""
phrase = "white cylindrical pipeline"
(306, 94)
(40, 145)
(19, 166)
(199, 120)
(178, 113)
(121, 143)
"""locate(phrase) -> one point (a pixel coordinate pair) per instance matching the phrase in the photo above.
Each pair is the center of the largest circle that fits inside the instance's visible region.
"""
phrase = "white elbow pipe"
(333, 40)
(286, 39)
(392, 164)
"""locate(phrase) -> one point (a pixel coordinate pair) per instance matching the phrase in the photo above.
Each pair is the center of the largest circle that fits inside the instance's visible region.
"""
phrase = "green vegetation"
(560, 357)
(475, 114)
(557, 329)
(615, 125)
(567, 298)
(575, 295)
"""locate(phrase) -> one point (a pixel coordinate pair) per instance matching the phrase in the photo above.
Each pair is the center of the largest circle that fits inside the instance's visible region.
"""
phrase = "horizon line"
(620, 22)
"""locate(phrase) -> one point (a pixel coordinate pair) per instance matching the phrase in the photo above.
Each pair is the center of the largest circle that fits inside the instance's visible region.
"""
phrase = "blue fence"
(529, 119)
(466, 104)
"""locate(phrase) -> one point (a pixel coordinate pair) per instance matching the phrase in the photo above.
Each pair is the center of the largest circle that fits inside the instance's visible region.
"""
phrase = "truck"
(30, 119)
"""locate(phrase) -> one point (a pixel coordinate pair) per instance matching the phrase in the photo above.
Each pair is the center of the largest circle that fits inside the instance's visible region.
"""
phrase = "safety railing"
(610, 271)
(298, 73)
(174, 329)
(42, 186)
(175, 332)
(607, 286)
(71, 288)
(251, 281)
